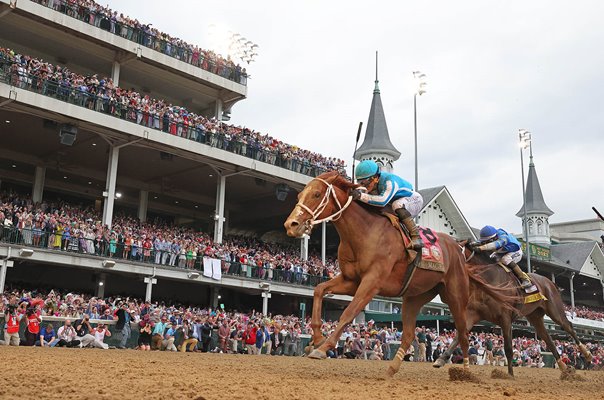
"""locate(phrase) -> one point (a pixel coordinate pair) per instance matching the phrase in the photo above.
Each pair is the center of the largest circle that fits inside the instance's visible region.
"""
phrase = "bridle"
(463, 252)
(329, 193)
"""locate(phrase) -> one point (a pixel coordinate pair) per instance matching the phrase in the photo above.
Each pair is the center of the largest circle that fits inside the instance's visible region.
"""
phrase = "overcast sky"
(492, 67)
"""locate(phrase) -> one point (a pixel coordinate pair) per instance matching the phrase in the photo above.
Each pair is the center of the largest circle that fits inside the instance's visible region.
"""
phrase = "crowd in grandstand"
(202, 329)
(145, 34)
(100, 94)
(584, 312)
(76, 228)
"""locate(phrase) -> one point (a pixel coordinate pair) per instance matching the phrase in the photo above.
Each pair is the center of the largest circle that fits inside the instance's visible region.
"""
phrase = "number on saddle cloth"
(428, 236)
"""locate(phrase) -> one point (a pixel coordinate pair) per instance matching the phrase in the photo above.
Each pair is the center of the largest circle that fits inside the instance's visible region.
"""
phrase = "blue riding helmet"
(487, 233)
(366, 169)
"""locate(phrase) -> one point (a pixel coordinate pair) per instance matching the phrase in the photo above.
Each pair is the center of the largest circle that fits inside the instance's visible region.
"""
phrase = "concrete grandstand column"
(219, 216)
(143, 203)
(304, 247)
(6, 263)
(38, 189)
(265, 296)
(115, 73)
(150, 281)
(114, 154)
(214, 296)
(553, 277)
(572, 291)
(323, 240)
(218, 110)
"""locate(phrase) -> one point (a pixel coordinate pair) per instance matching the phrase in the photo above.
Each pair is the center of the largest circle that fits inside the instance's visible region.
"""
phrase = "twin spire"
(377, 145)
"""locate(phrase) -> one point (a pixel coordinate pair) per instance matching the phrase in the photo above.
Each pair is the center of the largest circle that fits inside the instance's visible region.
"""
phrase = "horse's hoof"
(439, 363)
(317, 354)
(391, 371)
(308, 349)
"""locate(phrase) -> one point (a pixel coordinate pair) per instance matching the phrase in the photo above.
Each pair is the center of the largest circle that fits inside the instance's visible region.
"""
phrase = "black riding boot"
(407, 220)
(525, 281)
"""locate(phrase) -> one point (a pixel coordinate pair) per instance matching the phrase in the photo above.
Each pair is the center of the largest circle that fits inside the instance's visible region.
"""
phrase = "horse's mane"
(336, 179)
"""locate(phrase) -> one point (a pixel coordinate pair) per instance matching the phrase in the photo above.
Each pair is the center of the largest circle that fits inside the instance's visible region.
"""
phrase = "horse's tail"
(506, 293)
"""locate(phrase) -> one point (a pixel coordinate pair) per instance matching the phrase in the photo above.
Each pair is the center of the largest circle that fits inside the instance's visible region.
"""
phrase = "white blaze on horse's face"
(300, 220)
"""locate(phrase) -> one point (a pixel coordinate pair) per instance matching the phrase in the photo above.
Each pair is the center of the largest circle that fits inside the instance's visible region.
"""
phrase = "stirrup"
(417, 244)
(526, 284)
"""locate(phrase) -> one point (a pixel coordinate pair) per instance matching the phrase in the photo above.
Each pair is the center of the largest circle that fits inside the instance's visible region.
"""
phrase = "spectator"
(48, 337)
(144, 337)
(67, 335)
(101, 332)
(249, 338)
(11, 326)
(32, 332)
(168, 342)
(189, 340)
(123, 325)
(85, 334)
(157, 337)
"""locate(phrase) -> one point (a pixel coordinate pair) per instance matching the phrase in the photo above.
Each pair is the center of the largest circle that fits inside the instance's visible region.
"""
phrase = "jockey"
(379, 188)
(506, 249)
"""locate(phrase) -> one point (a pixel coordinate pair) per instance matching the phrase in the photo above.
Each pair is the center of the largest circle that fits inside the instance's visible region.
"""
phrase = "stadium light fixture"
(118, 195)
(264, 286)
(524, 141)
(108, 263)
(26, 253)
(101, 283)
(420, 82)
(193, 275)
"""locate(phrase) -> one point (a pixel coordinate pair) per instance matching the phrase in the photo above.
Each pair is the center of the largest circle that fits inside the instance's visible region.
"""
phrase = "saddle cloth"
(531, 294)
(432, 255)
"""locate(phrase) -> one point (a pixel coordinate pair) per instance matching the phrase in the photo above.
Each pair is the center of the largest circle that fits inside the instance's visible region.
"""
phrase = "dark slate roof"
(430, 193)
(377, 139)
(534, 197)
(572, 255)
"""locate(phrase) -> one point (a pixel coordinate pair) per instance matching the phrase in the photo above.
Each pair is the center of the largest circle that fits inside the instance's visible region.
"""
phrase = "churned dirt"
(39, 373)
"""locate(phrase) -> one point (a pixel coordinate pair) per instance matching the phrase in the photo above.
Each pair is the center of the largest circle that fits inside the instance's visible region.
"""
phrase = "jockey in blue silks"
(379, 188)
(506, 250)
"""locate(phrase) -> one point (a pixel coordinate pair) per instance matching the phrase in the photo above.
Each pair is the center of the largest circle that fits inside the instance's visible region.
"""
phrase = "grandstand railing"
(145, 38)
(65, 242)
(115, 108)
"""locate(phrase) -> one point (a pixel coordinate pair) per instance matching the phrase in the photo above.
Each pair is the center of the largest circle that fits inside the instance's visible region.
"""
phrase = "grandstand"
(62, 142)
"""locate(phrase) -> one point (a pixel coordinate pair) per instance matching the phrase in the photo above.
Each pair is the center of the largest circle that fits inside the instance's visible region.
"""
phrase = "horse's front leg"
(369, 287)
(337, 285)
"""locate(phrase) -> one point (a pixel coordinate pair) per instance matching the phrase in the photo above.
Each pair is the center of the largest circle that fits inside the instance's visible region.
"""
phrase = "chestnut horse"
(373, 261)
(483, 307)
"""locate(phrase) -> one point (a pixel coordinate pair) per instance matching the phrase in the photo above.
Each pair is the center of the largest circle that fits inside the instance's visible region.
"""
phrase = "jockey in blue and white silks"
(379, 188)
(506, 250)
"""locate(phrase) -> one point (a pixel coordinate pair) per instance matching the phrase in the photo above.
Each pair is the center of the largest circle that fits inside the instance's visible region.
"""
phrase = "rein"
(329, 193)
(463, 252)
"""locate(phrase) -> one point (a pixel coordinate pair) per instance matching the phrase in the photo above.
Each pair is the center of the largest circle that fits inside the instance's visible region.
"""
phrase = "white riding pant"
(515, 256)
(413, 204)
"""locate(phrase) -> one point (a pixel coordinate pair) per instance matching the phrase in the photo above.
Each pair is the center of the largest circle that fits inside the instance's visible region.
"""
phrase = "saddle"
(431, 256)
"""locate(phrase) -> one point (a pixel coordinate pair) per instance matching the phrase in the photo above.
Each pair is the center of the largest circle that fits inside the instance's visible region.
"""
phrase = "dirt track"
(35, 373)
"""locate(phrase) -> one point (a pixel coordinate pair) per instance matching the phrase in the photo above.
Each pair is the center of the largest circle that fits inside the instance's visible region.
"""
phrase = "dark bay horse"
(373, 261)
(482, 307)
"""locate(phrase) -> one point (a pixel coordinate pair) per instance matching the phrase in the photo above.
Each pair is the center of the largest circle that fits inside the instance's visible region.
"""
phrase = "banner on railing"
(211, 268)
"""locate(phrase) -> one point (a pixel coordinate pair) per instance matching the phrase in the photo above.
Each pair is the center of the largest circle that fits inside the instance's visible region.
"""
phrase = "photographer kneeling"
(83, 329)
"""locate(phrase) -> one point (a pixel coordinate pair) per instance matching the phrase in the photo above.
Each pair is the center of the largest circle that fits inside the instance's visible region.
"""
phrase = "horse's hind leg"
(536, 319)
(458, 307)
(506, 328)
(554, 308)
(411, 307)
